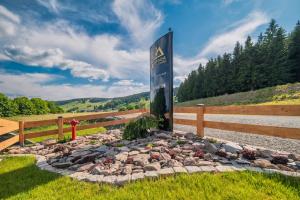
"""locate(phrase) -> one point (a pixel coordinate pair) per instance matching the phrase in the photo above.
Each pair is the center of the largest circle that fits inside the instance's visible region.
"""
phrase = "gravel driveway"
(276, 143)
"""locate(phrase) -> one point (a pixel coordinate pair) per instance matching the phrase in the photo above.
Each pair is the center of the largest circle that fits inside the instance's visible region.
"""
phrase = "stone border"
(42, 164)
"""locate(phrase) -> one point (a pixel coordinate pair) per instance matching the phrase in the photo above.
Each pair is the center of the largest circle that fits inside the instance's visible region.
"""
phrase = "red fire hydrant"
(73, 123)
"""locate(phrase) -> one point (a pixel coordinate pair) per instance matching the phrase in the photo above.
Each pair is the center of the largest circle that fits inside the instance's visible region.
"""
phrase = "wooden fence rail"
(278, 110)
(60, 121)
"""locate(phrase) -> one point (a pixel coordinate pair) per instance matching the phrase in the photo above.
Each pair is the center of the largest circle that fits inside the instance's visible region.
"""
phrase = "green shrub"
(140, 127)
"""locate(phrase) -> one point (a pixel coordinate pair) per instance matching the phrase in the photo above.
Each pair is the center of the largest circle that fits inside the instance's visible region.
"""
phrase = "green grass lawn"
(21, 179)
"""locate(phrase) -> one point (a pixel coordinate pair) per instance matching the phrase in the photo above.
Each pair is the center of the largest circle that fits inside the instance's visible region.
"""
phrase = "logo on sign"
(159, 57)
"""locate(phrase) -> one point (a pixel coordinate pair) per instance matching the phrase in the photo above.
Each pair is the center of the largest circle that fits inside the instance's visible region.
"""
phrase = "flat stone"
(109, 179)
(141, 159)
(208, 169)
(166, 171)
(85, 167)
(137, 176)
(204, 163)
(151, 174)
(263, 163)
(243, 162)
(190, 136)
(161, 143)
(163, 136)
(179, 170)
(62, 165)
(192, 169)
(122, 156)
(152, 167)
(232, 147)
(132, 153)
(123, 179)
(79, 175)
(189, 161)
(210, 148)
(222, 168)
(95, 178)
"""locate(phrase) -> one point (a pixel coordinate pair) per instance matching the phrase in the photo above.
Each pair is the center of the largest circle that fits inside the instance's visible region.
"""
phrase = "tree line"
(25, 106)
(273, 59)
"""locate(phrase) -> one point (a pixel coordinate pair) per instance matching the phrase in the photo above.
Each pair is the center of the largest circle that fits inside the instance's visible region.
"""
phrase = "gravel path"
(270, 142)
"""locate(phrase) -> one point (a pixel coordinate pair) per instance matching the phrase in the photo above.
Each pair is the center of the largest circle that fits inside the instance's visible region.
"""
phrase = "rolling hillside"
(280, 95)
(102, 104)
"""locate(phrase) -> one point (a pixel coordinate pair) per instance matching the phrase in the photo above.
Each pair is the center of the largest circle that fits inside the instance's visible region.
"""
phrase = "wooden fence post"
(200, 120)
(60, 124)
(21, 133)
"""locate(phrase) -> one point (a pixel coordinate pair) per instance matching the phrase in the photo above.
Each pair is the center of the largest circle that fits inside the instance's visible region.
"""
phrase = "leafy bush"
(140, 127)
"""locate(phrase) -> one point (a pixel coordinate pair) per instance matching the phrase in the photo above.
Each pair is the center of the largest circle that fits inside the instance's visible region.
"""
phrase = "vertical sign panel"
(161, 80)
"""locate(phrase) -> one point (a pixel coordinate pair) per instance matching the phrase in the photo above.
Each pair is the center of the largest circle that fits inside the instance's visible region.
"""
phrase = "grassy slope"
(21, 179)
(277, 95)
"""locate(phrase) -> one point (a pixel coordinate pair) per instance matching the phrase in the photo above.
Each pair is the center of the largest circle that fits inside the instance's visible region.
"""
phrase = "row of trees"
(274, 59)
(24, 106)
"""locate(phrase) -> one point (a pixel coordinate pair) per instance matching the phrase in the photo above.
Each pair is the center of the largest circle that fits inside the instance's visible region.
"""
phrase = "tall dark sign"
(161, 80)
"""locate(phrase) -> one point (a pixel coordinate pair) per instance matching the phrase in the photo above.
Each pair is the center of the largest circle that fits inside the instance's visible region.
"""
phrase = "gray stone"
(204, 163)
(179, 170)
(109, 179)
(222, 168)
(132, 153)
(174, 163)
(127, 169)
(122, 156)
(297, 164)
(264, 153)
(152, 167)
(151, 174)
(190, 136)
(62, 165)
(95, 178)
(137, 176)
(166, 171)
(192, 169)
(232, 147)
(243, 162)
(208, 168)
(210, 148)
(165, 156)
(190, 161)
(141, 159)
(121, 180)
(161, 143)
(163, 136)
(85, 167)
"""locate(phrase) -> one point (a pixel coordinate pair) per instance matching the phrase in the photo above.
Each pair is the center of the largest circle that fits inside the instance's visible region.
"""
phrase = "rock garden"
(111, 159)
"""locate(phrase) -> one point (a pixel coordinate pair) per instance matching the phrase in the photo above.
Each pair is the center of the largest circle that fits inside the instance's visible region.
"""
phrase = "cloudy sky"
(61, 49)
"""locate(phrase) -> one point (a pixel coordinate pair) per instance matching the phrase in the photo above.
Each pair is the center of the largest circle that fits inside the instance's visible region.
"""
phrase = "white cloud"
(36, 85)
(128, 83)
(51, 5)
(53, 58)
(225, 42)
(8, 22)
(140, 18)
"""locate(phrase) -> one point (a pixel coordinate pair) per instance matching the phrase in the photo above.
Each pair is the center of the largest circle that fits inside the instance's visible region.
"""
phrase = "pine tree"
(294, 53)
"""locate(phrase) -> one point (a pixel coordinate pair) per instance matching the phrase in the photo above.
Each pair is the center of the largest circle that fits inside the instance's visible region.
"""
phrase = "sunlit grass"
(21, 179)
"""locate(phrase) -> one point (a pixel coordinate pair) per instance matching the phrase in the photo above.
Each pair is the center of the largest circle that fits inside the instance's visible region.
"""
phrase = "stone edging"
(122, 179)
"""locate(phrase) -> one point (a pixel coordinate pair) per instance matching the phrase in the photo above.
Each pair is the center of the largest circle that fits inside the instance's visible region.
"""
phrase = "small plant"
(140, 127)
(212, 140)
(66, 139)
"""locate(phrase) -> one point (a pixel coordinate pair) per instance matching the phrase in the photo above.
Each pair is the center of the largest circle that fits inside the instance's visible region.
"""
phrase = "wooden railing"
(60, 121)
(280, 110)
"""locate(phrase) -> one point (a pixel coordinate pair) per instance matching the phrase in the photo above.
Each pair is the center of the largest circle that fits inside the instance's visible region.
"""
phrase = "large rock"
(232, 147)
(122, 156)
(163, 136)
(152, 167)
(210, 148)
(263, 163)
(141, 159)
(87, 158)
(279, 159)
(190, 161)
(190, 136)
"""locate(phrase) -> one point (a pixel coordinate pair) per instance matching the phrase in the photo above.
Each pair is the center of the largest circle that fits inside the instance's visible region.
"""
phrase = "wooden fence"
(278, 110)
(60, 121)
(199, 122)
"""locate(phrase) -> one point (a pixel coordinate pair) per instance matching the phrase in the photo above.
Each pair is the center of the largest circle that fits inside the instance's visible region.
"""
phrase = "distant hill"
(104, 104)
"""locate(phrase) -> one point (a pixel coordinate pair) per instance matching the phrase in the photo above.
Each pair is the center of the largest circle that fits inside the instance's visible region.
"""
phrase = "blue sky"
(100, 48)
